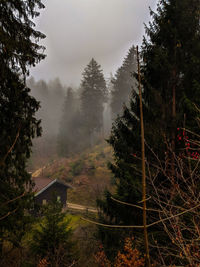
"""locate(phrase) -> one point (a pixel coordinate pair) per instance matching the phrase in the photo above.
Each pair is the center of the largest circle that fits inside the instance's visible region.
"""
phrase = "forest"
(127, 147)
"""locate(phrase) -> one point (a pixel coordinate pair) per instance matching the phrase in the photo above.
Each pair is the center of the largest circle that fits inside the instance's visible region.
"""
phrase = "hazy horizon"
(77, 30)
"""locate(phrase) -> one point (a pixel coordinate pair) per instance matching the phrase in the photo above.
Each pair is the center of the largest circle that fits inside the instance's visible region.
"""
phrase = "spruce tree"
(19, 50)
(93, 96)
(70, 133)
(171, 66)
(123, 83)
(171, 95)
(52, 240)
(56, 100)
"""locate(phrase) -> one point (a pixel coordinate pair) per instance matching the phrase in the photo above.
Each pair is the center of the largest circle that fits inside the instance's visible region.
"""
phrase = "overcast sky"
(78, 30)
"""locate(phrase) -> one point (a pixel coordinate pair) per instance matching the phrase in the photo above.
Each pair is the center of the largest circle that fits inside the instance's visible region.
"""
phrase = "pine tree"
(70, 133)
(52, 240)
(56, 100)
(171, 93)
(19, 49)
(93, 97)
(123, 82)
(171, 66)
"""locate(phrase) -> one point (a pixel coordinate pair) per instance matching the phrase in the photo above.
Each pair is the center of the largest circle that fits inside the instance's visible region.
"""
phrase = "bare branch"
(133, 205)
(11, 148)
(8, 214)
(9, 201)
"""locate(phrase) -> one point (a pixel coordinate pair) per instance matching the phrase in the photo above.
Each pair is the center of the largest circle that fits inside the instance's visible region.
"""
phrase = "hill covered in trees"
(157, 89)
(87, 172)
(74, 119)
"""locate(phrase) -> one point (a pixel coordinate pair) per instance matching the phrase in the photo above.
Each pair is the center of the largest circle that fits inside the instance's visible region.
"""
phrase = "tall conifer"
(171, 93)
(123, 82)
(93, 97)
(19, 49)
(70, 139)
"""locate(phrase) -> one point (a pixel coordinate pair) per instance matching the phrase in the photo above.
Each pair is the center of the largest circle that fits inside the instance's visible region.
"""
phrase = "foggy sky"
(78, 30)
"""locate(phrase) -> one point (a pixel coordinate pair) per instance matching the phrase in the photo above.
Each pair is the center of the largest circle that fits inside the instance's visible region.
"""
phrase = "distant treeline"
(77, 118)
(51, 97)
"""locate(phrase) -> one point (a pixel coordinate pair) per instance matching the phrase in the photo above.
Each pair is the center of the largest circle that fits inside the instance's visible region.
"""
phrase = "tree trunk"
(146, 242)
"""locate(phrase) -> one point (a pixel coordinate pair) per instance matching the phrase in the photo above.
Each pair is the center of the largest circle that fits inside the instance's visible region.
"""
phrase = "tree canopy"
(52, 240)
(170, 66)
(123, 82)
(70, 133)
(19, 50)
(93, 96)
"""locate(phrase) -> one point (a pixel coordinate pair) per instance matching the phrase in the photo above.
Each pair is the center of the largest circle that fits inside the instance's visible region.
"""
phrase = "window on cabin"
(44, 202)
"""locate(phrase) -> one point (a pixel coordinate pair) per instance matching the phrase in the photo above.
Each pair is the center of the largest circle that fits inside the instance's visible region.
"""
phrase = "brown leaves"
(129, 257)
(43, 263)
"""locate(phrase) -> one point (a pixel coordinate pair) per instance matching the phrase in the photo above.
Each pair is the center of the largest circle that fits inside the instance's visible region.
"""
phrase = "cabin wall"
(57, 190)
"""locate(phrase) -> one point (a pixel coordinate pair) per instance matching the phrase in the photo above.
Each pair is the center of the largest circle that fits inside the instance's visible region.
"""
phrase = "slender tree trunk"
(174, 95)
(173, 133)
(173, 121)
(148, 263)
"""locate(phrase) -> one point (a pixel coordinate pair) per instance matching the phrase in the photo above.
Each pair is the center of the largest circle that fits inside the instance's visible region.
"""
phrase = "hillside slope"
(87, 172)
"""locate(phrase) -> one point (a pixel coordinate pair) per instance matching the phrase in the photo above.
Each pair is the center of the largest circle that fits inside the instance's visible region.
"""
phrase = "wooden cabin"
(47, 189)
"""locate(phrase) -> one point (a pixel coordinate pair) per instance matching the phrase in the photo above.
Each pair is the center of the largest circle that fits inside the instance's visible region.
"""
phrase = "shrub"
(77, 167)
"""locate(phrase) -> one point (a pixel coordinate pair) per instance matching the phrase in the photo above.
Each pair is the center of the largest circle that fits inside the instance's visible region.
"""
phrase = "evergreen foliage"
(19, 40)
(51, 96)
(171, 93)
(171, 63)
(123, 83)
(19, 50)
(52, 239)
(70, 134)
(93, 96)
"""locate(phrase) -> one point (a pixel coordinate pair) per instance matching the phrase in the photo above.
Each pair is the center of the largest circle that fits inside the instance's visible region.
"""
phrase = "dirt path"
(80, 207)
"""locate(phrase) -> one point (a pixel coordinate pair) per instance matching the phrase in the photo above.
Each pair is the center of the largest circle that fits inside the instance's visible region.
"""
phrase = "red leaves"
(183, 140)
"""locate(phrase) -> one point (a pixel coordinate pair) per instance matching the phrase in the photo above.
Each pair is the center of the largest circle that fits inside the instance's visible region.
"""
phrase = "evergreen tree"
(39, 90)
(69, 138)
(19, 49)
(55, 101)
(52, 239)
(51, 96)
(123, 82)
(171, 66)
(171, 93)
(107, 114)
(93, 96)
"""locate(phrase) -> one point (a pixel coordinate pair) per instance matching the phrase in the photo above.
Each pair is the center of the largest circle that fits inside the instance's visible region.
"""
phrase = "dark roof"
(42, 183)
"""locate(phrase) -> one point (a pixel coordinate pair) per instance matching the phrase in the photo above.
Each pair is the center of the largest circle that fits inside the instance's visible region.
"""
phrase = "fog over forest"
(85, 29)
(99, 143)
(77, 30)
(76, 118)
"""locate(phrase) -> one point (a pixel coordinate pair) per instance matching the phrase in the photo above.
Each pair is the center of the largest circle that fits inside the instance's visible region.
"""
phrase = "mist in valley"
(74, 119)
(99, 150)
(105, 31)
(77, 31)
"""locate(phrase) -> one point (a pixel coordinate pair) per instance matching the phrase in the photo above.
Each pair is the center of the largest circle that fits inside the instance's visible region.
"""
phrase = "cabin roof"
(41, 184)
